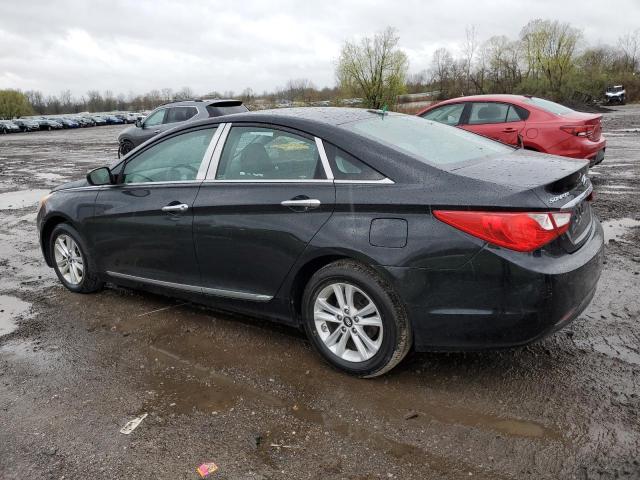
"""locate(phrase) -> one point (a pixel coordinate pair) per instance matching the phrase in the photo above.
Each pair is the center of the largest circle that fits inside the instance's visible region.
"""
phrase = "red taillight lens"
(579, 130)
(520, 231)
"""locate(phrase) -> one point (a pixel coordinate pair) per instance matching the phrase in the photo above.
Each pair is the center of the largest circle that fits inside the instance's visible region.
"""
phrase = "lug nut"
(339, 317)
(346, 309)
(356, 319)
(354, 330)
(344, 329)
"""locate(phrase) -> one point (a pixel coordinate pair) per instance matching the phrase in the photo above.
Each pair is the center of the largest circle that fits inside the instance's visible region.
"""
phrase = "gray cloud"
(136, 46)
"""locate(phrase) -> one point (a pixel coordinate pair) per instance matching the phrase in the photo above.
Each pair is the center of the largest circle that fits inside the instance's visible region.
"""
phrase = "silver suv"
(171, 115)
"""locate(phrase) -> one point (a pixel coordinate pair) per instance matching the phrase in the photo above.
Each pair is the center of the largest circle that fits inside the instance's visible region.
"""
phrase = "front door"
(143, 226)
(500, 121)
(258, 210)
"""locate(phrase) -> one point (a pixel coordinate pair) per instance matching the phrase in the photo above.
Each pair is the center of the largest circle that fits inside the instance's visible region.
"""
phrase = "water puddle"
(616, 229)
(11, 308)
(21, 199)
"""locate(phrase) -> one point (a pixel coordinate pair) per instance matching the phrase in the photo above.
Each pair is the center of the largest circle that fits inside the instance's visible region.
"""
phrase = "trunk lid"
(560, 183)
(594, 121)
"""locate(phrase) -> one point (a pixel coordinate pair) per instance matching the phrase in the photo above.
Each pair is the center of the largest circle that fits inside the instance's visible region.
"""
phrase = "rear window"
(548, 105)
(219, 111)
(429, 142)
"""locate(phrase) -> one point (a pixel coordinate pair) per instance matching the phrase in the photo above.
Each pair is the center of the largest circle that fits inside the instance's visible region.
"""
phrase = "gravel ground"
(253, 396)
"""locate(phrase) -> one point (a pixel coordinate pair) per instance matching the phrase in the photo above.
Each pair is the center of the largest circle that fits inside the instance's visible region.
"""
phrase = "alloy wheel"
(69, 259)
(348, 322)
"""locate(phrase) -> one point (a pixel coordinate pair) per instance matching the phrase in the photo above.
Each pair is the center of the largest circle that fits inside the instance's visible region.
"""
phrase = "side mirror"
(139, 123)
(100, 176)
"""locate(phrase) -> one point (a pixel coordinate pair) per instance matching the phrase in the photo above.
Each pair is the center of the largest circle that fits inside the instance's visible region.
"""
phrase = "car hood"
(127, 132)
(77, 183)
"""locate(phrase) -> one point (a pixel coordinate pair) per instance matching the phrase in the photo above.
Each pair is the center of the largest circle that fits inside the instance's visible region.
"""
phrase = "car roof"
(217, 102)
(487, 98)
(321, 116)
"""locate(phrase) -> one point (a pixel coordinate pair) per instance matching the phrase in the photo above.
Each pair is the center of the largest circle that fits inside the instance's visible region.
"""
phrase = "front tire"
(355, 319)
(125, 147)
(71, 262)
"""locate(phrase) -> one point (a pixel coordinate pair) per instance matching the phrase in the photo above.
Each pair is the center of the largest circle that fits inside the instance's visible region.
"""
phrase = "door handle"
(156, 131)
(176, 208)
(308, 203)
(510, 130)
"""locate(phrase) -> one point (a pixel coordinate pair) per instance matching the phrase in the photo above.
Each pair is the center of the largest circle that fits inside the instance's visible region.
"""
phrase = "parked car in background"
(616, 94)
(47, 124)
(171, 115)
(98, 120)
(7, 126)
(130, 118)
(113, 120)
(66, 122)
(27, 124)
(376, 232)
(85, 121)
(521, 120)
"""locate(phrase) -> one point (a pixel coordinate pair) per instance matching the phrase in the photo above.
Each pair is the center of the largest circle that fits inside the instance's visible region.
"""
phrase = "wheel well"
(46, 235)
(304, 275)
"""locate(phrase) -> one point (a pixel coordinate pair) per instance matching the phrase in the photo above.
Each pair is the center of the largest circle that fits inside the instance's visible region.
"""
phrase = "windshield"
(548, 105)
(428, 141)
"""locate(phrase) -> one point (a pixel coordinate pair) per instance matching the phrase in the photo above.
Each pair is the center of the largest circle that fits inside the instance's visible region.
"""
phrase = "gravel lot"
(255, 398)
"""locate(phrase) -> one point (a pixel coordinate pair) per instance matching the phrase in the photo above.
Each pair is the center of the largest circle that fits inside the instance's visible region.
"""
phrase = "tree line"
(549, 59)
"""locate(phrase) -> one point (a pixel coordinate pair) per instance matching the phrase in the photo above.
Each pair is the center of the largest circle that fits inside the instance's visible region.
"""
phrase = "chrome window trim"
(323, 158)
(257, 180)
(382, 181)
(206, 159)
(194, 288)
(217, 152)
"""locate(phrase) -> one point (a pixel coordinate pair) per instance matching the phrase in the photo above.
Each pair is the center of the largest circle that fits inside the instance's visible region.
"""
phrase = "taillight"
(579, 130)
(520, 231)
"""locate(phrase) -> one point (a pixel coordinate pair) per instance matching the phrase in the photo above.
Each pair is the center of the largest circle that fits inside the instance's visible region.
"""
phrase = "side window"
(256, 153)
(517, 113)
(447, 114)
(348, 167)
(488, 112)
(180, 114)
(156, 118)
(172, 160)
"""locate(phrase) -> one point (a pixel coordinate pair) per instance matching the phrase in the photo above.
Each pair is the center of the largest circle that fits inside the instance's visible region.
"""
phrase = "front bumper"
(500, 298)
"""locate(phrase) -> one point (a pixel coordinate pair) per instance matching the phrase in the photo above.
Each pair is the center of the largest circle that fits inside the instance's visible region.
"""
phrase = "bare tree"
(441, 66)
(629, 44)
(374, 69)
(469, 49)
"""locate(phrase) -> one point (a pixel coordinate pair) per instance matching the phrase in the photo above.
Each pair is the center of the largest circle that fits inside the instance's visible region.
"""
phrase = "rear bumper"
(580, 148)
(500, 298)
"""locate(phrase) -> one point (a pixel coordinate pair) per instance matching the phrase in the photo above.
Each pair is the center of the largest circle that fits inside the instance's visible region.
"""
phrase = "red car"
(535, 123)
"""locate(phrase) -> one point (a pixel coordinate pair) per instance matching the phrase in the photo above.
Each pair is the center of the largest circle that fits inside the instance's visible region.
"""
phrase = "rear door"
(267, 192)
(500, 121)
(152, 125)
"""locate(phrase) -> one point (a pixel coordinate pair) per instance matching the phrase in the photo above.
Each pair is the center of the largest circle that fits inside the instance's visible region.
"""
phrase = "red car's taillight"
(520, 231)
(579, 130)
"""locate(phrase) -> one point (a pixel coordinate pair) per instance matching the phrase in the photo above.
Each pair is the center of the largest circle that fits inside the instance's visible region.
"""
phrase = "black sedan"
(27, 125)
(7, 126)
(376, 232)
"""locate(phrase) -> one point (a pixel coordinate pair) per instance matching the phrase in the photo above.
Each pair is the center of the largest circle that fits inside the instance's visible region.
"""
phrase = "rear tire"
(71, 262)
(364, 330)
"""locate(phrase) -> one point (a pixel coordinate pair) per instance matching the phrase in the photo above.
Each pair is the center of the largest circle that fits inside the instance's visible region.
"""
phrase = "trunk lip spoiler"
(578, 199)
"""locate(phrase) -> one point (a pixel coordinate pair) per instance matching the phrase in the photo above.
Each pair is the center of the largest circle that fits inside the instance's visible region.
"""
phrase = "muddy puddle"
(204, 357)
(11, 310)
(616, 229)
(21, 199)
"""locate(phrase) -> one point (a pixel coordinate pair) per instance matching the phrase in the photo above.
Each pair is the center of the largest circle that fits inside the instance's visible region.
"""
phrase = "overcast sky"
(136, 46)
